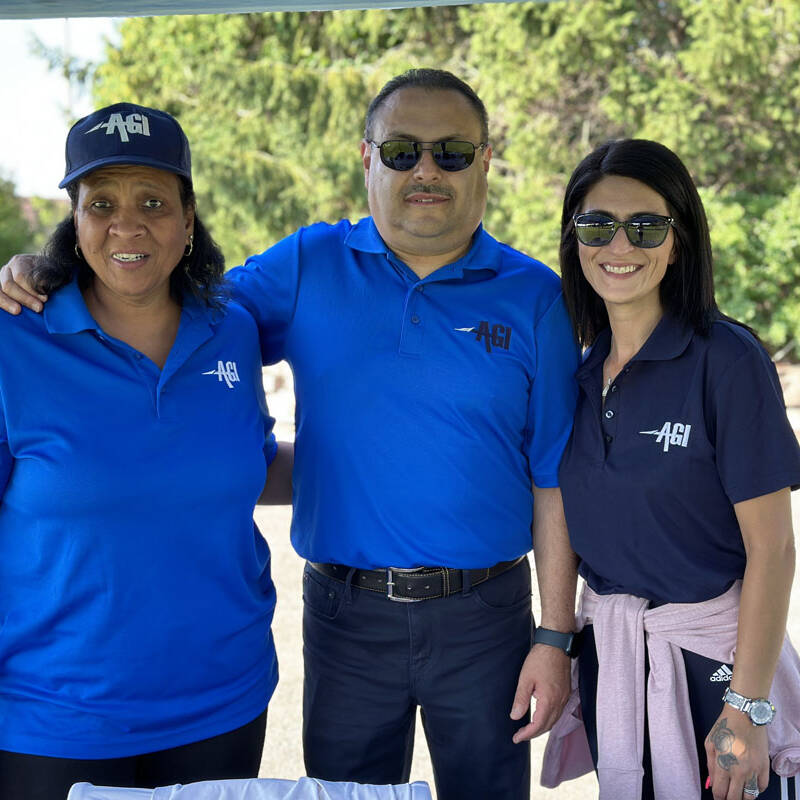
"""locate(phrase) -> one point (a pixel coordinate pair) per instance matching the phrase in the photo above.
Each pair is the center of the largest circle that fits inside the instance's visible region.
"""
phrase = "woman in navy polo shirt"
(135, 592)
(676, 485)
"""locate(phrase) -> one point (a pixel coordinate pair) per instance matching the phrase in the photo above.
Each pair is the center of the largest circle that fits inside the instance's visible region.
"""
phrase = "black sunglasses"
(403, 155)
(645, 230)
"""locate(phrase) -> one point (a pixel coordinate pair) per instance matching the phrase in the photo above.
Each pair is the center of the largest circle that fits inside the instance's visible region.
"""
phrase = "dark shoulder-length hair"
(199, 274)
(687, 290)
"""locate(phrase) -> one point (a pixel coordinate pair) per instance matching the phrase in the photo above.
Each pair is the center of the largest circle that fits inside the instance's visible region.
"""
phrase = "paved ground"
(283, 753)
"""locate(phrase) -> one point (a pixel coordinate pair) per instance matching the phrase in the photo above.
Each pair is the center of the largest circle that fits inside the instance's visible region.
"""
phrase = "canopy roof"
(34, 9)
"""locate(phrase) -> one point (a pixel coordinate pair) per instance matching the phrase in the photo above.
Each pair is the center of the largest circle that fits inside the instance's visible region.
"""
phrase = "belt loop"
(445, 582)
(466, 582)
(348, 585)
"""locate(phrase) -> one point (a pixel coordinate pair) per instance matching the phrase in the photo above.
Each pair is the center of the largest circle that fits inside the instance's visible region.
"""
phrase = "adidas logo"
(722, 674)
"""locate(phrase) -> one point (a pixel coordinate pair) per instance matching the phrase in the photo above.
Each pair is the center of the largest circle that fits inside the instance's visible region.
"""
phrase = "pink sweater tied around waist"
(622, 624)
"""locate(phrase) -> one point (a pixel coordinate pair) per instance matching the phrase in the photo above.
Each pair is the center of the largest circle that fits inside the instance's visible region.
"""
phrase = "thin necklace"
(607, 387)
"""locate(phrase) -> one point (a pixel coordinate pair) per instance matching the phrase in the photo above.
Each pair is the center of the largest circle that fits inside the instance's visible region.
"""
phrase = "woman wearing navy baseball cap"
(135, 591)
(676, 484)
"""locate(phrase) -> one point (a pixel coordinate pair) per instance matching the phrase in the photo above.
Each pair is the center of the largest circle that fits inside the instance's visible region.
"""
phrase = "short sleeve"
(267, 285)
(270, 443)
(6, 460)
(757, 452)
(270, 447)
(553, 393)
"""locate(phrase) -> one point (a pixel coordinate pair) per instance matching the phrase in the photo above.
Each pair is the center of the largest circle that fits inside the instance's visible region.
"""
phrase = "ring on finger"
(751, 792)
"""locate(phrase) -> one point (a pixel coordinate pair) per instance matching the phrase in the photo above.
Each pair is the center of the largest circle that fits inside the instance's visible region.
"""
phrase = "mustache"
(427, 188)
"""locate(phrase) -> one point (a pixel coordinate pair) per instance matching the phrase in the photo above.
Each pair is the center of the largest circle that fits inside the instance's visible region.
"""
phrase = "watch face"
(761, 712)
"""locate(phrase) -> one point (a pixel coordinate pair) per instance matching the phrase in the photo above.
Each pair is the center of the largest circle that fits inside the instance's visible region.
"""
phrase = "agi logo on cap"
(135, 135)
(133, 123)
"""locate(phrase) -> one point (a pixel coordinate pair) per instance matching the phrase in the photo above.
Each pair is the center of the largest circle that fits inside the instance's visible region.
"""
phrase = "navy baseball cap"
(126, 133)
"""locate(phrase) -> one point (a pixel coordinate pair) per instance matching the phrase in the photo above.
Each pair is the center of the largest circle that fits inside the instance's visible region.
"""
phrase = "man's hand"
(738, 756)
(545, 675)
(15, 290)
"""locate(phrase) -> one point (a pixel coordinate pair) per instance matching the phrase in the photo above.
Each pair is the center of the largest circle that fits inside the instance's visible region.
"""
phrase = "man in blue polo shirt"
(434, 381)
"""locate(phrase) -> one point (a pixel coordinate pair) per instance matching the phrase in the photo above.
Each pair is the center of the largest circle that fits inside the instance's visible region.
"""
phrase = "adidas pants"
(707, 680)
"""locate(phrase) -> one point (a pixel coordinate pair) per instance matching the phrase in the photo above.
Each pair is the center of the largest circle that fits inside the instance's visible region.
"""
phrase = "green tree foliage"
(46, 212)
(274, 104)
(718, 81)
(15, 230)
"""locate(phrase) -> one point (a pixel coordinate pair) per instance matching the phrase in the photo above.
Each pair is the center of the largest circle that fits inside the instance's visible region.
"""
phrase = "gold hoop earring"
(78, 253)
(189, 247)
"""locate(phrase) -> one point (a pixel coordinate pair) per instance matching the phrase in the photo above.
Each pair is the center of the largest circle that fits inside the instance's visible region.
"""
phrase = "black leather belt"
(413, 585)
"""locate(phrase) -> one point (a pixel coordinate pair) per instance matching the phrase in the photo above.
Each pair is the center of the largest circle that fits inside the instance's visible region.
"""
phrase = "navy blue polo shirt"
(425, 408)
(690, 426)
(135, 591)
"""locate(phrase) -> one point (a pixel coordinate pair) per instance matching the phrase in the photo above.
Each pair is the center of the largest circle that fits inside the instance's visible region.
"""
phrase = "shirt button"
(614, 388)
(415, 319)
(609, 439)
(609, 414)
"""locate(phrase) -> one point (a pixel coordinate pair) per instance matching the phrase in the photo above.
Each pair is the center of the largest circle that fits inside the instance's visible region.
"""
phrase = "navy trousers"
(236, 754)
(707, 680)
(369, 662)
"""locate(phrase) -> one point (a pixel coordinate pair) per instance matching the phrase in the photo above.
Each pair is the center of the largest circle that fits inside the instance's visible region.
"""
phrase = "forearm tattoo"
(724, 739)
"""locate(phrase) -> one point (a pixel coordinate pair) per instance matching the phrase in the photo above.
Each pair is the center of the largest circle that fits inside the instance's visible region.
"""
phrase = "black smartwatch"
(568, 642)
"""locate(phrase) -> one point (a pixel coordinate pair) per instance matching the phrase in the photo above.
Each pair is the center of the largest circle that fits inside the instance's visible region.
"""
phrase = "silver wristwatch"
(760, 710)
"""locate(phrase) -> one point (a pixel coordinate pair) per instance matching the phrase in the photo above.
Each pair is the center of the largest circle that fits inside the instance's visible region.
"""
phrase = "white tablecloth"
(257, 789)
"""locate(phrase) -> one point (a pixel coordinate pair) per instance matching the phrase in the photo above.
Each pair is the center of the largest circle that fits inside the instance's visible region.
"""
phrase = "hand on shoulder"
(15, 290)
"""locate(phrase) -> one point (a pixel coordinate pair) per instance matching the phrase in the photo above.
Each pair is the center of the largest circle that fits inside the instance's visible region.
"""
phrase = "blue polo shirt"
(690, 426)
(135, 591)
(425, 408)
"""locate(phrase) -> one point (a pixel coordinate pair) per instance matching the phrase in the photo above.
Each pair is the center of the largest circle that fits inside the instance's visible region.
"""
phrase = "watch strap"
(736, 700)
(746, 706)
(568, 642)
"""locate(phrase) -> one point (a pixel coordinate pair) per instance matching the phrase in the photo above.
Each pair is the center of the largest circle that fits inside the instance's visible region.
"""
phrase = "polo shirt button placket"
(412, 331)
(609, 417)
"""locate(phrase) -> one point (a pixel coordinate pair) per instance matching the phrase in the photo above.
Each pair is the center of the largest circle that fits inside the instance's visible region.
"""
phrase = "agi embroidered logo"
(671, 433)
(133, 123)
(497, 335)
(225, 371)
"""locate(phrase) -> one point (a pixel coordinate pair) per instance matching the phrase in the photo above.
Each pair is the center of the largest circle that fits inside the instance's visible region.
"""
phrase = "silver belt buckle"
(390, 585)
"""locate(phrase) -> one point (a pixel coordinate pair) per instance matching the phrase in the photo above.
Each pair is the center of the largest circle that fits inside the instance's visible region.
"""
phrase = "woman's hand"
(738, 757)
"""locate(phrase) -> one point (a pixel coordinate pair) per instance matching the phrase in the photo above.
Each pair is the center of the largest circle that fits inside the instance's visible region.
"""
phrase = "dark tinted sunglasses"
(646, 230)
(402, 154)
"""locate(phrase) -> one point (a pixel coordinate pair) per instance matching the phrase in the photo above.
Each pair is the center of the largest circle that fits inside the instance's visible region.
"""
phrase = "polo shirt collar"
(66, 311)
(669, 339)
(484, 252)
